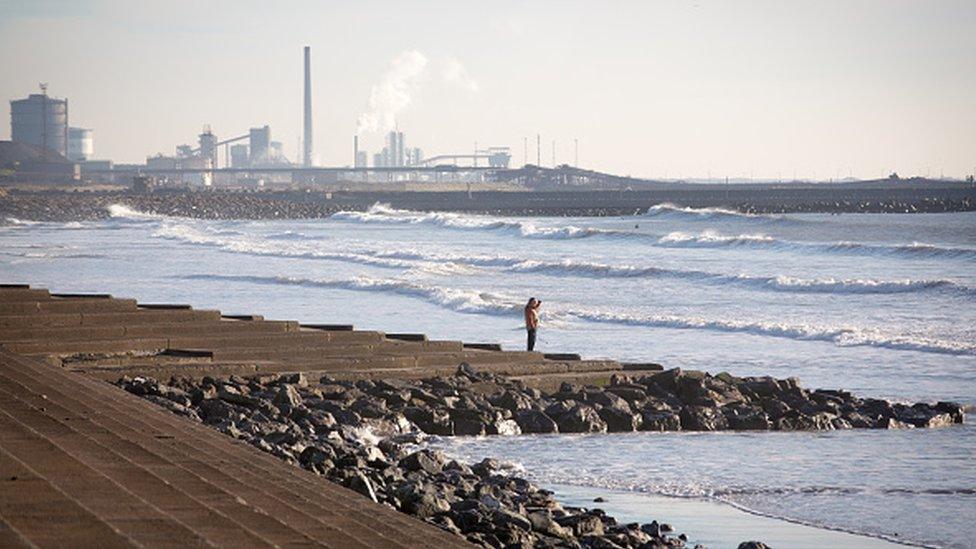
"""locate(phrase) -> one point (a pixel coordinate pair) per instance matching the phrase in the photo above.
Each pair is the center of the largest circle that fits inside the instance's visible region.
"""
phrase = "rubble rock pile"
(365, 434)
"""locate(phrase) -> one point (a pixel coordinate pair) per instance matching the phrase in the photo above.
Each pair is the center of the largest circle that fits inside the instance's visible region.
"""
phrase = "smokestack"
(355, 151)
(307, 153)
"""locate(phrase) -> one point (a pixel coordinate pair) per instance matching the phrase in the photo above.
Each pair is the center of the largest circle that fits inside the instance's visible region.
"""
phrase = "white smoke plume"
(455, 73)
(393, 92)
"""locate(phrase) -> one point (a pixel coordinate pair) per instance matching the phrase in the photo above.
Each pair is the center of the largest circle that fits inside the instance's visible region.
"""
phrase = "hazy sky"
(650, 88)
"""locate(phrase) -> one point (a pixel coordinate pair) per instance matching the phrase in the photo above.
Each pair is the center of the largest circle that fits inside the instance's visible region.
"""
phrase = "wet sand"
(713, 524)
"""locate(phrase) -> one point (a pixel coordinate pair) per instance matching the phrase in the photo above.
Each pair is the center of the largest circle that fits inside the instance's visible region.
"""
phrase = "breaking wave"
(121, 211)
(673, 211)
(462, 301)
(778, 283)
(381, 213)
(16, 222)
(473, 301)
(243, 245)
(446, 263)
(713, 239)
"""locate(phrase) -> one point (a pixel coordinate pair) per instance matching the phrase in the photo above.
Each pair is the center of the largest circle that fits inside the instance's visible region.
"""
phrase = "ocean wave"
(713, 239)
(459, 300)
(383, 213)
(779, 283)
(288, 235)
(446, 263)
(674, 211)
(16, 222)
(121, 211)
(247, 245)
(473, 301)
(55, 255)
(842, 336)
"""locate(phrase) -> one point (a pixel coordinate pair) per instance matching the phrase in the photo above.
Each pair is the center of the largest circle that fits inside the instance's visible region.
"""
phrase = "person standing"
(532, 320)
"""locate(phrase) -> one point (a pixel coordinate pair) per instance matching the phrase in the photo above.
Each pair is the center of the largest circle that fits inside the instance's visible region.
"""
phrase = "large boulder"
(581, 419)
(534, 421)
(287, 398)
(631, 392)
(430, 461)
(468, 422)
(233, 395)
(620, 420)
(746, 418)
(702, 418)
(430, 421)
(654, 420)
(512, 400)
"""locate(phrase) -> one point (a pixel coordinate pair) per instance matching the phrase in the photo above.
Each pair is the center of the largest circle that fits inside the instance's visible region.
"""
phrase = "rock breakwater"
(365, 435)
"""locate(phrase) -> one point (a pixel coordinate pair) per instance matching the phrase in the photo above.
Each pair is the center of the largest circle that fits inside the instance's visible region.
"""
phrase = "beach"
(701, 289)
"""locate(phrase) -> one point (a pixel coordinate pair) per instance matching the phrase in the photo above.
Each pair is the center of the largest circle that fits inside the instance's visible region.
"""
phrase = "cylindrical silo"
(81, 145)
(40, 120)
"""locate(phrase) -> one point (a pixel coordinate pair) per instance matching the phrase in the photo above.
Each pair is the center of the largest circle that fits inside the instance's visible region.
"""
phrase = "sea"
(883, 305)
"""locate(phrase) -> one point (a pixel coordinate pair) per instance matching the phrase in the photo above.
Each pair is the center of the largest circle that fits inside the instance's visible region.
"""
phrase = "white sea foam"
(382, 213)
(13, 221)
(123, 211)
(674, 211)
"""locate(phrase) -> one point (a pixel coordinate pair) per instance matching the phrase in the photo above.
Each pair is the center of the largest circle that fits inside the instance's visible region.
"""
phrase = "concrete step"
(366, 368)
(334, 349)
(280, 340)
(542, 370)
(284, 341)
(74, 333)
(23, 294)
(105, 319)
(66, 306)
(95, 347)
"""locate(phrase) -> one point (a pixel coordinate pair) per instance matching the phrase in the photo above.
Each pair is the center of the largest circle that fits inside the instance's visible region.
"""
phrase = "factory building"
(40, 120)
(81, 145)
(396, 154)
(239, 156)
(208, 145)
(260, 141)
(277, 153)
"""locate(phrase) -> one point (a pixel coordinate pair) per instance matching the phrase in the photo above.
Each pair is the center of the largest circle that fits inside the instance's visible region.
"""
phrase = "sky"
(778, 89)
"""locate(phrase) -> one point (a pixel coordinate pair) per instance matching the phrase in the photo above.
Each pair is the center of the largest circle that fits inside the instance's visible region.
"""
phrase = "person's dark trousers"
(531, 340)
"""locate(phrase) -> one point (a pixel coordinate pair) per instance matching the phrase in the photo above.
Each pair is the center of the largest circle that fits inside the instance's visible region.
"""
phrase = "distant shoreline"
(80, 205)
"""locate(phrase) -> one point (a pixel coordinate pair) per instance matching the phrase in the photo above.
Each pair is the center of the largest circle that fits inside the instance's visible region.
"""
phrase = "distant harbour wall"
(310, 204)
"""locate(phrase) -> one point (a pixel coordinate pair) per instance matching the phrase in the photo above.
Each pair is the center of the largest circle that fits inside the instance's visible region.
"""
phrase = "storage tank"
(81, 145)
(40, 120)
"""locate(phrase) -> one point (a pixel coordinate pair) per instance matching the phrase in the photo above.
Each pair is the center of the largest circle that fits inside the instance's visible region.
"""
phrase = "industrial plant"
(59, 152)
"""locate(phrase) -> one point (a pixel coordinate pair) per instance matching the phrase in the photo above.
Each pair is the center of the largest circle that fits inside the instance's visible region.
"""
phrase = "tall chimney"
(355, 151)
(307, 144)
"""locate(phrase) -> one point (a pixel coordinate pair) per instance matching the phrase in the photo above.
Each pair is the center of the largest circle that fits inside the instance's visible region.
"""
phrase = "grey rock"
(430, 461)
(581, 419)
(660, 421)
